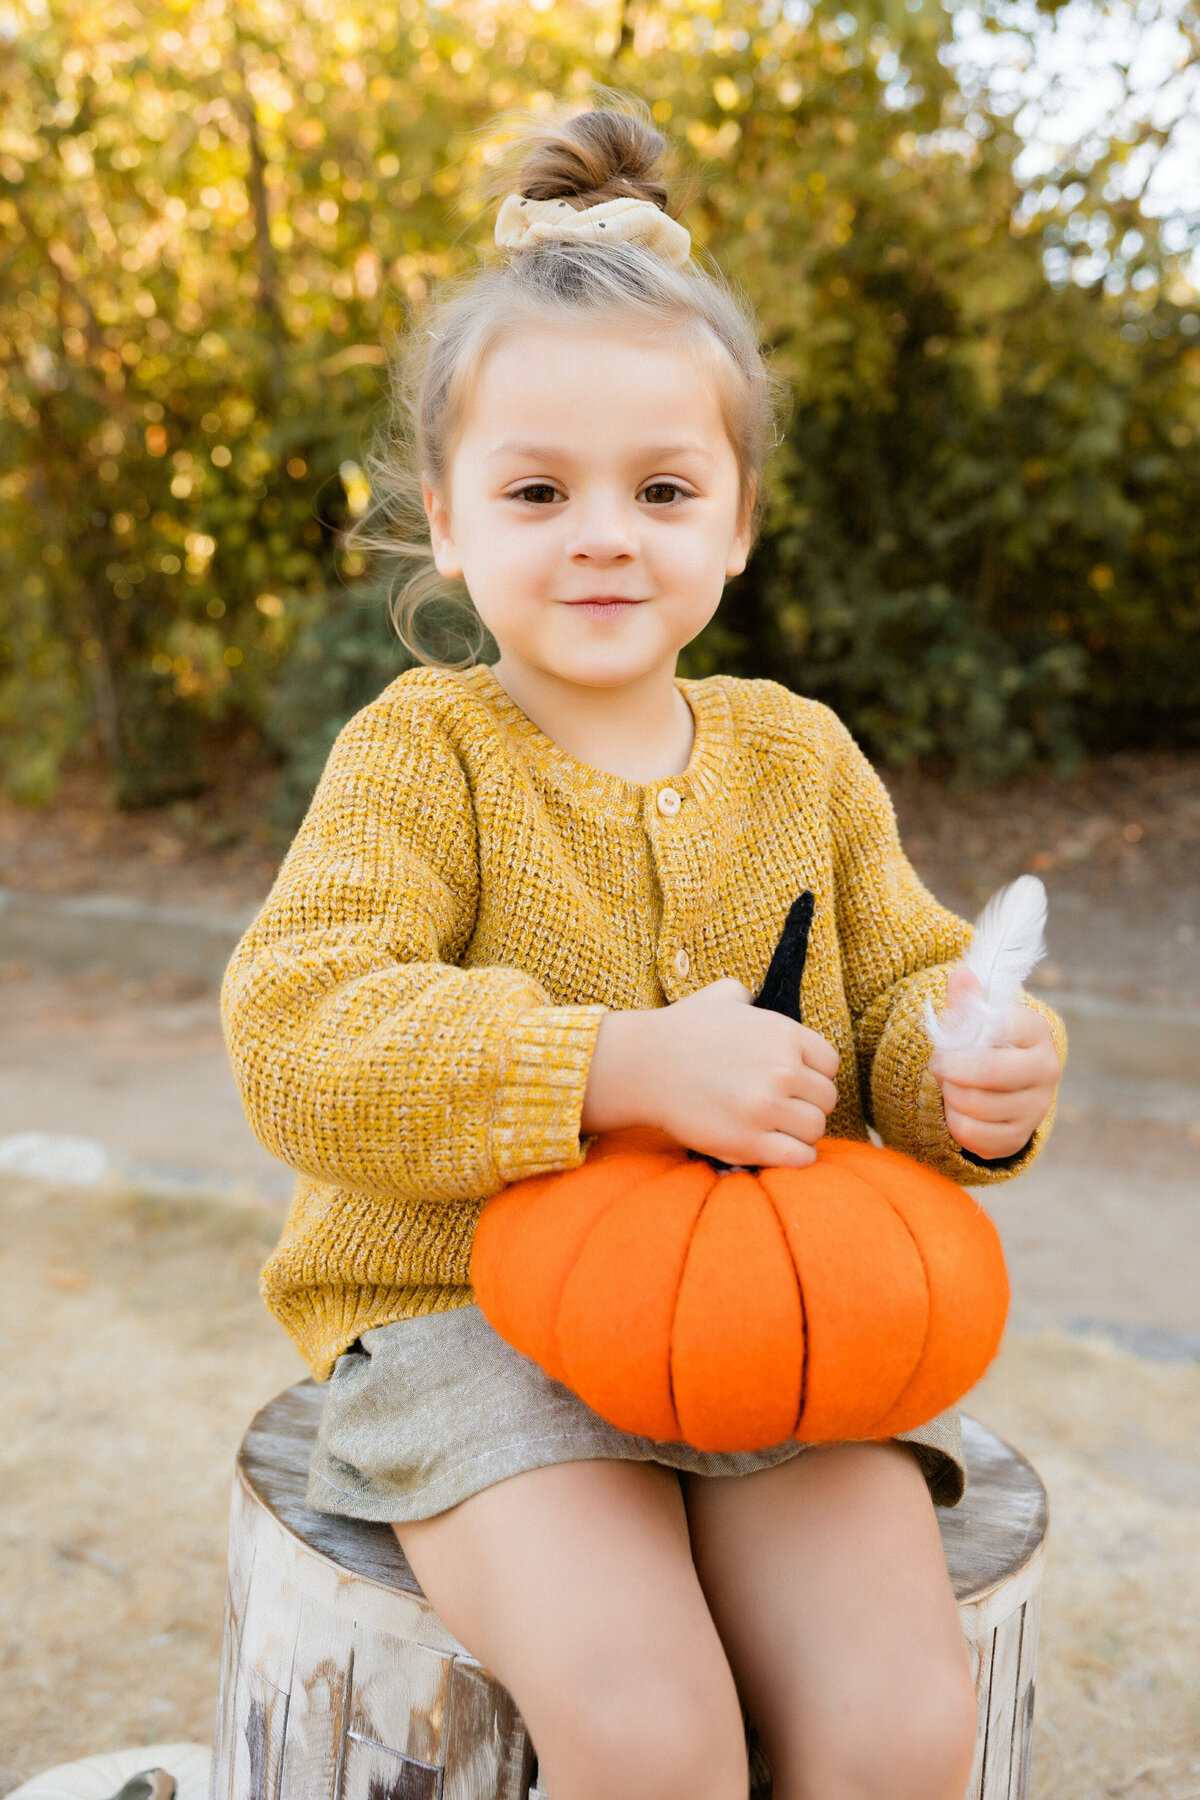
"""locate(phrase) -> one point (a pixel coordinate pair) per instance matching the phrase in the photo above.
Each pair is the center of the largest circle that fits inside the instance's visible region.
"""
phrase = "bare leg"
(574, 1585)
(828, 1584)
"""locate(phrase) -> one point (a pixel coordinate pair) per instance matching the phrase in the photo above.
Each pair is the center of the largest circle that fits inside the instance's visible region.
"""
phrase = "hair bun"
(612, 152)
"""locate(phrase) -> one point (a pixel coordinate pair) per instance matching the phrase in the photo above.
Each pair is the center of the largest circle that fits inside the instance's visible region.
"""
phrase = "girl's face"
(593, 503)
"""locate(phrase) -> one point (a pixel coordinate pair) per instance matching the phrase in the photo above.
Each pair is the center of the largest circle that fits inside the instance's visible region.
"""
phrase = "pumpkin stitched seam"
(791, 1261)
(687, 1256)
(876, 1189)
(571, 1270)
(675, 1300)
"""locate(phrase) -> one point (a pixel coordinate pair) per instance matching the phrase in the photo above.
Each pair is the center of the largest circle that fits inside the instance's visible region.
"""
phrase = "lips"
(604, 606)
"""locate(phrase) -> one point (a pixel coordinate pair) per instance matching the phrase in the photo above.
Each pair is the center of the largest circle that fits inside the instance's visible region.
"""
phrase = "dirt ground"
(217, 852)
(1118, 847)
(135, 1064)
(134, 1349)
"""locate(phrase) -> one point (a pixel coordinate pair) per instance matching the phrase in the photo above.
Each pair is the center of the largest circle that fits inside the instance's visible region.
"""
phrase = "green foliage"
(957, 555)
(982, 541)
(339, 662)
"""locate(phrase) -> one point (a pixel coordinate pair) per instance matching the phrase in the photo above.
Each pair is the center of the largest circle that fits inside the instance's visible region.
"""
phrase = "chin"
(599, 671)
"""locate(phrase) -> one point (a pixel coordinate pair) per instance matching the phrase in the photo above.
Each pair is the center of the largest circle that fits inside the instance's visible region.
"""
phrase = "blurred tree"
(214, 215)
(964, 491)
(192, 200)
(338, 663)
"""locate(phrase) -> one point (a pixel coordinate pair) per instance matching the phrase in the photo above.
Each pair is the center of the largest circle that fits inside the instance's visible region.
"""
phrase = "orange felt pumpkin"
(731, 1309)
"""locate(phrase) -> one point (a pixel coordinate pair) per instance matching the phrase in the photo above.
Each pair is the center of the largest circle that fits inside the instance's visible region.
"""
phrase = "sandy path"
(134, 1349)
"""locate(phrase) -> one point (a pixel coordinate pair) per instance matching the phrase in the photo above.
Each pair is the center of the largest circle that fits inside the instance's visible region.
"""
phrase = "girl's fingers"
(1027, 1028)
(791, 1129)
(819, 1053)
(798, 1119)
(984, 1139)
(815, 1090)
(1006, 1070)
(983, 1103)
(778, 1151)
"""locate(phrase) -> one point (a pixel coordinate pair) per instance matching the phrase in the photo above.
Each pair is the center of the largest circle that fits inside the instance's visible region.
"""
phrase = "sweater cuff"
(907, 1102)
(995, 1162)
(539, 1102)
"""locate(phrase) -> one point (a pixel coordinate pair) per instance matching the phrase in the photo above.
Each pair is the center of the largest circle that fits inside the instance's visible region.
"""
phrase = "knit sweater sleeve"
(897, 946)
(365, 1056)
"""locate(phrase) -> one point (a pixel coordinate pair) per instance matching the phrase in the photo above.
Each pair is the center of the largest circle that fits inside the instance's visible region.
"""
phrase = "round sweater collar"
(598, 789)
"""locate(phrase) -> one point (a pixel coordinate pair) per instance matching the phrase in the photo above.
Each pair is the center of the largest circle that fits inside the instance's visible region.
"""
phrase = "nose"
(602, 532)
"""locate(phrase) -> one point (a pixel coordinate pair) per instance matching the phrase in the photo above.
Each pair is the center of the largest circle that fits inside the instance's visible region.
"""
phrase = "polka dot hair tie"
(522, 223)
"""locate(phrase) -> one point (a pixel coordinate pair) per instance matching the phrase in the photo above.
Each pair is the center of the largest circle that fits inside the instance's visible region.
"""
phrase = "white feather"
(1008, 942)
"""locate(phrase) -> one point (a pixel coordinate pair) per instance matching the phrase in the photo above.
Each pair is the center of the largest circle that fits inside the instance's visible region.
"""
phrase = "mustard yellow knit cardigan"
(412, 1015)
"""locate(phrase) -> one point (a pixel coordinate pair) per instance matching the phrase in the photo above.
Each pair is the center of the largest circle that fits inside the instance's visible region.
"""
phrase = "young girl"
(531, 902)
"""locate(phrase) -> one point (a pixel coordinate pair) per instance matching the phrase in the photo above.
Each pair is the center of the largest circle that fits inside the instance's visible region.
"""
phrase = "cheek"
(703, 553)
(493, 546)
(509, 572)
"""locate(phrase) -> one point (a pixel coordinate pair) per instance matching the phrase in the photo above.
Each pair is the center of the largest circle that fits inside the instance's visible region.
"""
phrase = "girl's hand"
(995, 1099)
(717, 1074)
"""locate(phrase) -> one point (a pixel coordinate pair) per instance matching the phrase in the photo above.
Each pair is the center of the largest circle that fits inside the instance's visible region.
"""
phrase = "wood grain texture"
(374, 1773)
(1026, 1691)
(999, 1726)
(319, 1706)
(1000, 1525)
(261, 1712)
(399, 1697)
(340, 1682)
(488, 1752)
(237, 1587)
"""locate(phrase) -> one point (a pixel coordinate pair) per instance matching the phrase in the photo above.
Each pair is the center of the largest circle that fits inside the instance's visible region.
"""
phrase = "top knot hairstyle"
(612, 151)
(609, 153)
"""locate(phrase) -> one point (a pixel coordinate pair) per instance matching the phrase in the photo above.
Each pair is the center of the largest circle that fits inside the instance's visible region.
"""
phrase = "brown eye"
(663, 493)
(537, 493)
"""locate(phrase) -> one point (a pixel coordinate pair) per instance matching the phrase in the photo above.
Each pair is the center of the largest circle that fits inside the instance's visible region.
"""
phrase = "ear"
(445, 556)
(739, 549)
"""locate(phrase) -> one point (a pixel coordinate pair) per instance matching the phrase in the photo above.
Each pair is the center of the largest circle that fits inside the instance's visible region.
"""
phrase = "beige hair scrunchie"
(522, 223)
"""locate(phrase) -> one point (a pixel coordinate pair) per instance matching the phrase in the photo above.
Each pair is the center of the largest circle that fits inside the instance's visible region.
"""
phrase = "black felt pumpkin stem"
(780, 991)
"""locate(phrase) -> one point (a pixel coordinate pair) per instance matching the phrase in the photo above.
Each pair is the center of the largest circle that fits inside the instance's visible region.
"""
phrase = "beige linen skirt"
(422, 1414)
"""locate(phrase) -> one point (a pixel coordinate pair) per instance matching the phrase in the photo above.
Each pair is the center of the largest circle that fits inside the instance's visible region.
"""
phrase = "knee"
(647, 1737)
(932, 1731)
(912, 1738)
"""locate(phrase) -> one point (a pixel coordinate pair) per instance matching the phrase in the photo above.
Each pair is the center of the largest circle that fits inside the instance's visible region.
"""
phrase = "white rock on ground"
(100, 1777)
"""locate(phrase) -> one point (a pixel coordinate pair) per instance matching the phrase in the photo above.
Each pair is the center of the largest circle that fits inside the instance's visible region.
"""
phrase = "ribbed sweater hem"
(325, 1322)
(535, 1126)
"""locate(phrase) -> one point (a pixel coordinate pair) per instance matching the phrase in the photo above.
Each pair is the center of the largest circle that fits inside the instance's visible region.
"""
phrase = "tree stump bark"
(340, 1682)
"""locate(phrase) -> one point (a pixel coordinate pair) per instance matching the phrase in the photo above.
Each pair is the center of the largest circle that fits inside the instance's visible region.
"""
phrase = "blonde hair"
(608, 152)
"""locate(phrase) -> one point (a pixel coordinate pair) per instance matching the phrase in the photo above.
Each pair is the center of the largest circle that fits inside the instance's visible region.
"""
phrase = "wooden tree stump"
(340, 1682)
